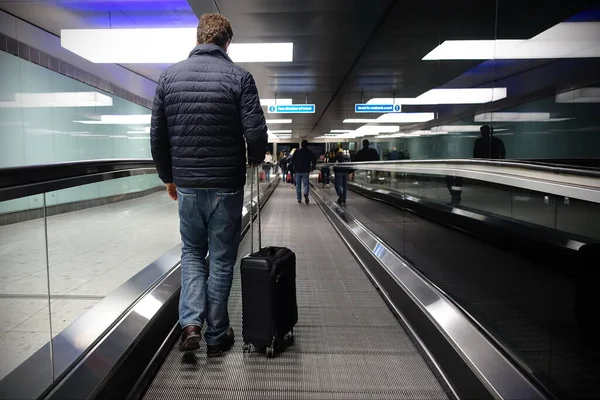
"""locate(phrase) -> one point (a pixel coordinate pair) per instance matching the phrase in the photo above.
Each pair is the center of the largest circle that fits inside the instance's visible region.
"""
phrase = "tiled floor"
(91, 252)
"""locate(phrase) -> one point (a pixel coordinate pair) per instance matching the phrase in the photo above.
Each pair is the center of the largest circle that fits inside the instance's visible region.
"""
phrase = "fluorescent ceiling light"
(273, 102)
(360, 121)
(405, 117)
(141, 119)
(280, 131)
(58, 99)
(261, 52)
(583, 95)
(159, 46)
(279, 121)
(517, 117)
(564, 40)
(340, 130)
(374, 129)
(447, 96)
(393, 118)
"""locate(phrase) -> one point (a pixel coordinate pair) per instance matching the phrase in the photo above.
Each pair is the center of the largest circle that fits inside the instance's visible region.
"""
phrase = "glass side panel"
(537, 301)
(100, 235)
(24, 300)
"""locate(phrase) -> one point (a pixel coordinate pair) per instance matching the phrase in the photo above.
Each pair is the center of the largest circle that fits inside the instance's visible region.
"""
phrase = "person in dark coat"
(488, 146)
(304, 162)
(206, 123)
(366, 153)
(394, 154)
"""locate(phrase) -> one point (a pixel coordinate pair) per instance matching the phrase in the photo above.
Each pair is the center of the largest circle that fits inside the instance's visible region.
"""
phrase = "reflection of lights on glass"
(583, 95)
(141, 119)
(140, 131)
(58, 99)
(147, 307)
(564, 40)
(447, 96)
(517, 117)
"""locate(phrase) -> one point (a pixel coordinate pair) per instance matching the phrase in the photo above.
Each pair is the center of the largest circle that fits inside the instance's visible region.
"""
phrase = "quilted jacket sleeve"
(253, 121)
(159, 136)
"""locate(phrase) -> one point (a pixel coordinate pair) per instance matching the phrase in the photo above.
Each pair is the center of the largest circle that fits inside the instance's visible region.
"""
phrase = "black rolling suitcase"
(269, 308)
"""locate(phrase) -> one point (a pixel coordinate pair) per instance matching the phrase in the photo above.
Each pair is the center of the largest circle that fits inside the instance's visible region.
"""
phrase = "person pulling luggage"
(210, 197)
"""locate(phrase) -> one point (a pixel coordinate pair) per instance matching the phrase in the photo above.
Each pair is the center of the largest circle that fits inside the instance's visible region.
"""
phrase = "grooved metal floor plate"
(348, 343)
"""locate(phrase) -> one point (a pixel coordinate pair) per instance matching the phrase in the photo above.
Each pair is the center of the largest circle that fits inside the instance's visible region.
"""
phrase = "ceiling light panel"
(374, 129)
(275, 132)
(159, 45)
(279, 121)
(399, 118)
(273, 102)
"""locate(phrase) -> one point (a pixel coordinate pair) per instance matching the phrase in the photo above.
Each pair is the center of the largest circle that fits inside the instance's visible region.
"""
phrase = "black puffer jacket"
(203, 109)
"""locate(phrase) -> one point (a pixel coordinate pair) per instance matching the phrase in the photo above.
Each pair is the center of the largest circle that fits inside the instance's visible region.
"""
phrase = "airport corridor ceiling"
(345, 51)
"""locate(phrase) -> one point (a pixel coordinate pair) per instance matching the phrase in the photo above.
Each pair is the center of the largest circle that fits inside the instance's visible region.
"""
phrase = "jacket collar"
(209, 50)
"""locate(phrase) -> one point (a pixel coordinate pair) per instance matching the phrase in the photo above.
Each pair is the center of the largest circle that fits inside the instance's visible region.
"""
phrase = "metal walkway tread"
(348, 343)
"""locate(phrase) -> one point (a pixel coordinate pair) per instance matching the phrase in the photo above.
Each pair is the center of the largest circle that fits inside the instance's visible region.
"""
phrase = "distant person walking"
(304, 162)
(341, 178)
(283, 164)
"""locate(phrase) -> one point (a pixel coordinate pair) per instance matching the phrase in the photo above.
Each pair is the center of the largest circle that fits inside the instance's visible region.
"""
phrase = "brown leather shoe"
(190, 338)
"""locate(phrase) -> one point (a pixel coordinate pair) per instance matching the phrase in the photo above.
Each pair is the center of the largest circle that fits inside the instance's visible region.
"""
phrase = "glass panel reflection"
(24, 300)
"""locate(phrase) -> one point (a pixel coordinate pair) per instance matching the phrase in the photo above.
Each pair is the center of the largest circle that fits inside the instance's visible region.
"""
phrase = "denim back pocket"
(187, 204)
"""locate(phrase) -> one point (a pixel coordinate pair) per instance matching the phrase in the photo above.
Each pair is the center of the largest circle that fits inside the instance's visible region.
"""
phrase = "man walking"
(304, 162)
(206, 113)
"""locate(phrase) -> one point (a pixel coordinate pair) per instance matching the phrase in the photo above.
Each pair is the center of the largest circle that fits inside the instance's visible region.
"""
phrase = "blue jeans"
(341, 184)
(210, 223)
(301, 182)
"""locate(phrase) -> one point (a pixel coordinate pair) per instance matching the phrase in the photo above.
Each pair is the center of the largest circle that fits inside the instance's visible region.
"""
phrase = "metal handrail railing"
(583, 184)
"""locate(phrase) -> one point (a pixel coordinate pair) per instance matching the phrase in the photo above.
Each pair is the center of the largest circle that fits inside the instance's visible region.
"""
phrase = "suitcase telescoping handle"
(254, 170)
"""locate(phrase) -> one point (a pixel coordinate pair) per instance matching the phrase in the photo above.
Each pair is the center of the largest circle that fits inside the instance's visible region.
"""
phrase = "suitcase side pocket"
(286, 309)
(258, 305)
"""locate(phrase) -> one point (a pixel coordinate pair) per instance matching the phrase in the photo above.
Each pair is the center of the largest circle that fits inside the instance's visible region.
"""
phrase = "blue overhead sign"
(377, 108)
(292, 109)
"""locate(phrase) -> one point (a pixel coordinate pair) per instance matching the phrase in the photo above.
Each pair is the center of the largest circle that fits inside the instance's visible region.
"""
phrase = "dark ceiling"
(348, 51)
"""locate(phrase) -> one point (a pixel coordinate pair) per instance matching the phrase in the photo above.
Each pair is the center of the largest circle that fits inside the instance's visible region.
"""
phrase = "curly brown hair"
(215, 29)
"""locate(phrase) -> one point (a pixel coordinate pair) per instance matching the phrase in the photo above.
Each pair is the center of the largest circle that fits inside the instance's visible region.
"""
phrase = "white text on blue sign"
(377, 108)
(292, 109)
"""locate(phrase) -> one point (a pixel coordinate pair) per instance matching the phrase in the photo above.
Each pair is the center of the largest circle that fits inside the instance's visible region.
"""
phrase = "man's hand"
(172, 191)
